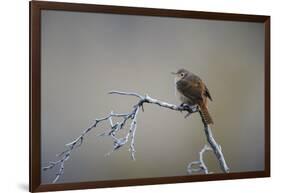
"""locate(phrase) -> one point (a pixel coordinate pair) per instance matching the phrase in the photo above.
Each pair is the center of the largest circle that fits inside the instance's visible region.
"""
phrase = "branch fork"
(130, 136)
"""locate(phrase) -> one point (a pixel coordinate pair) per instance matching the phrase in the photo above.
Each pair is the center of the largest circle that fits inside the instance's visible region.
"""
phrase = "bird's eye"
(182, 74)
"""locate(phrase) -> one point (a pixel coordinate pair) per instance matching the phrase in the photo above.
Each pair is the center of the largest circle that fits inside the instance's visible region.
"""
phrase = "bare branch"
(130, 136)
(217, 149)
(126, 93)
(65, 155)
(201, 166)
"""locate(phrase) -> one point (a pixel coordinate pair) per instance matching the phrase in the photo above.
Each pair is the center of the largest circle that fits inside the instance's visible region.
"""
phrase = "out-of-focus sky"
(85, 55)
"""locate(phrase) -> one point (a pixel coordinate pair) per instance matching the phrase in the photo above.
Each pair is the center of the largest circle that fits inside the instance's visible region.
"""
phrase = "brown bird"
(192, 91)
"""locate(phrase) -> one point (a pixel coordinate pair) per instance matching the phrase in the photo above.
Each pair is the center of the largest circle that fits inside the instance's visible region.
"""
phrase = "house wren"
(192, 91)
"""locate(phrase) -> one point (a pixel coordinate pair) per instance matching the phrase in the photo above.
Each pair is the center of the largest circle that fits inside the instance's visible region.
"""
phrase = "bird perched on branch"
(191, 90)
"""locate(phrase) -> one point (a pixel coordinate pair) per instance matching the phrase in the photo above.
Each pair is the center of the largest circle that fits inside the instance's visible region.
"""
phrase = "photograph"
(129, 98)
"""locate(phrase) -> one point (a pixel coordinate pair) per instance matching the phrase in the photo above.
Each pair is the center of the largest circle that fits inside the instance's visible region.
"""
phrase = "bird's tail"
(206, 115)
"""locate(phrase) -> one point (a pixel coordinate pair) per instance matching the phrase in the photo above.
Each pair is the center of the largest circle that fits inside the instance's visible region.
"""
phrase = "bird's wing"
(192, 88)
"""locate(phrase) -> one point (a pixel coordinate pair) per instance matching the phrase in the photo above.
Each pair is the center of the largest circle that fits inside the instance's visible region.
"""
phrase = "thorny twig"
(130, 136)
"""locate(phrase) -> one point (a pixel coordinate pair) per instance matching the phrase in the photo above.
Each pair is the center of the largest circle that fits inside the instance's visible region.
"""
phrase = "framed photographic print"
(123, 96)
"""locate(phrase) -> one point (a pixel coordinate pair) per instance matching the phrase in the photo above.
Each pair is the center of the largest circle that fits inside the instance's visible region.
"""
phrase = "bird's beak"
(174, 73)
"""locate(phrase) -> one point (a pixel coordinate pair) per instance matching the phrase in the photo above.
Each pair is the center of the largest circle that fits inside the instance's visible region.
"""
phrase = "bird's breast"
(183, 98)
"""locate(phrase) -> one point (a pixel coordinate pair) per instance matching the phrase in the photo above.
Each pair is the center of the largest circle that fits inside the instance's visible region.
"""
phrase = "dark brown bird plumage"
(192, 91)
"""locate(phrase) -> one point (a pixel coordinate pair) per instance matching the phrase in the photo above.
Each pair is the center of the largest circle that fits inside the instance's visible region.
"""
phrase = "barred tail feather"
(206, 115)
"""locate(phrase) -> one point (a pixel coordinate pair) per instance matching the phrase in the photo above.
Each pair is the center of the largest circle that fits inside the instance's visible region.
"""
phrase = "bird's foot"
(182, 107)
(182, 104)
(186, 107)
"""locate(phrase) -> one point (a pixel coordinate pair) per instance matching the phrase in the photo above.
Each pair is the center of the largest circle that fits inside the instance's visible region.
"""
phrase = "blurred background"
(85, 55)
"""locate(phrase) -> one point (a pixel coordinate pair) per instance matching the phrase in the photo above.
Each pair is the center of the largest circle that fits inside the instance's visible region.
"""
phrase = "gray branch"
(130, 136)
(198, 166)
